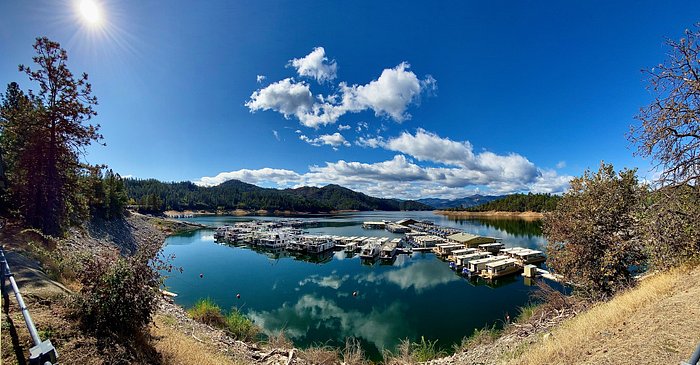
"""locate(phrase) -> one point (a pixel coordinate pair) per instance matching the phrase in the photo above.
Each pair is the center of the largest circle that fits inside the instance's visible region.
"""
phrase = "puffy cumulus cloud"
(426, 146)
(260, 78)
(316, 65)
(388, 96)
(343, 127)
(472, 168)
(454, 170)
(287, 97)
(334, 140)
(397, 169)
(279, 177)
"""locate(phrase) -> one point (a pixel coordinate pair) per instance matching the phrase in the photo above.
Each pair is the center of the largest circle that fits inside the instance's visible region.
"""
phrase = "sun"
(90, 12)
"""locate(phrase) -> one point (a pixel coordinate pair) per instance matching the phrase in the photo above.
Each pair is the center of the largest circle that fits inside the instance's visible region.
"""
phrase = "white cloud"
(343, 127)
(561, 164)
(277, 135)
(286, 97)
(316, 65)
(361, 126)
(260, 78)
(334, 140)
(388, 96)
(371, 142)
(454, 170)
(280, 177)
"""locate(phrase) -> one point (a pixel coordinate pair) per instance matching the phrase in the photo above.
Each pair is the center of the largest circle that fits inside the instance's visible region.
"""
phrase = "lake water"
(311, 297)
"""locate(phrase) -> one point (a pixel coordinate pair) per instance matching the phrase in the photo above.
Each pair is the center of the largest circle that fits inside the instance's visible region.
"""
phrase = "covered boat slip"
(491, 247)
(470, 240)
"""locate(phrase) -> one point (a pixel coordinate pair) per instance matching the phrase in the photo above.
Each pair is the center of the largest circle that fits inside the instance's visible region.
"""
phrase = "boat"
(463, 260)
(475, 266)
(528, 257)
(388, 251)
(497, 269)
(370, 251)
(318, 244)
(350, 247)
(491, 247)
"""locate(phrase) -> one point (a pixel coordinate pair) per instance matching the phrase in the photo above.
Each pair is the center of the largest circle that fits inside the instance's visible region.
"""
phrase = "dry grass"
(645, 325)
(320, 355)
(278, 341)
(180, 349)
(353, 354)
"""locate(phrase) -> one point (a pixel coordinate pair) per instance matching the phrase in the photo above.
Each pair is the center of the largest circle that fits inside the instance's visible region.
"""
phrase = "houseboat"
(475, 266)
(528, 257)
(350, 247)
(373, 225)
(497, 269)
(318, 244)
(370, 251)
(491, 247)
(274, 239)
(463, 260)
(388, 251)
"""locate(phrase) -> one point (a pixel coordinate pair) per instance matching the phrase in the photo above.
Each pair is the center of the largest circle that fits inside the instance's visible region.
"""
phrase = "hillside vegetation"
(516, 203)
(156, 196)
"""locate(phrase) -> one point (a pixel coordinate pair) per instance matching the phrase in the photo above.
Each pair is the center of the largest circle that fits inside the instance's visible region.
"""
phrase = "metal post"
(42, 352)
(694, 358)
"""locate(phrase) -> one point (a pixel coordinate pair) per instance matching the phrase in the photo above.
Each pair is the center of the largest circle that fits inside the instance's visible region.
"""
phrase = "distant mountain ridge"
(234, 194)
(466, 202)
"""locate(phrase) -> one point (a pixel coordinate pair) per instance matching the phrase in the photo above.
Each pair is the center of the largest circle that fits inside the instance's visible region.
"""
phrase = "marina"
(310, 295)
(469, 254)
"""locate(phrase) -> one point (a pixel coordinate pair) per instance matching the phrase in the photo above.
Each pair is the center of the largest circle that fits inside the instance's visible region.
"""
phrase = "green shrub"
(207, 312)
(240, 327)
(425, 350)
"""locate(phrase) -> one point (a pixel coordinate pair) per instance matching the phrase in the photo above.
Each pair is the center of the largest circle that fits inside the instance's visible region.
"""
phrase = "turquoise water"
(311, 297)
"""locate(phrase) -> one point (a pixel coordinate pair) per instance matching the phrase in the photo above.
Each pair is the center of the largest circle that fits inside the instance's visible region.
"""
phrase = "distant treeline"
(517, 203)
(156, 196)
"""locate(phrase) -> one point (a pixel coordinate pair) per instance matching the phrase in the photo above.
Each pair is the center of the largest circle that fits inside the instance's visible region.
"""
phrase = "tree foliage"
(591, 234)
(155, 196)
(670, 126)
(517, 203)
(669, 133)
(44, 134)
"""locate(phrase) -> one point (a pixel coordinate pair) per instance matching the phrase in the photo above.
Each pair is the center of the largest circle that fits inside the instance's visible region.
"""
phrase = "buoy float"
(238, 296)
(201, 275)
(354, 294)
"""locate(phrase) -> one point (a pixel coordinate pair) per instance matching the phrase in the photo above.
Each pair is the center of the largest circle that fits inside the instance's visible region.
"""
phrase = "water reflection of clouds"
(207, 237)
(381, 326)
(423, 275)
(332, 281)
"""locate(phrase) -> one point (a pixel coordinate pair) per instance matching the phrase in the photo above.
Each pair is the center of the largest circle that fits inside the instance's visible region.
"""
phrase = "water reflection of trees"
(516, 227)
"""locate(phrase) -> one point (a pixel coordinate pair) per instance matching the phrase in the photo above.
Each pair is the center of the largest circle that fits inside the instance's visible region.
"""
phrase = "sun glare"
(90, 12)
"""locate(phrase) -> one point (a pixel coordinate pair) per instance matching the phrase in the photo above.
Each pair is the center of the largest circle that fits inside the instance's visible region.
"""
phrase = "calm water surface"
(311, 297)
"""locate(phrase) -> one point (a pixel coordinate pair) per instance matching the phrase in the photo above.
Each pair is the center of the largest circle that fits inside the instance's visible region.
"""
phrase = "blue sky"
(393, 98)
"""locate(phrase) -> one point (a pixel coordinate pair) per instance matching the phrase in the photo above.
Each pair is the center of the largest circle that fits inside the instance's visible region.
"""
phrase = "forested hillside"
(517, 203)
(156, 196)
